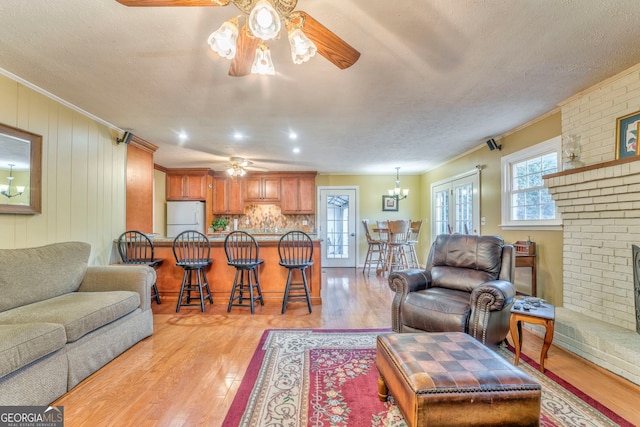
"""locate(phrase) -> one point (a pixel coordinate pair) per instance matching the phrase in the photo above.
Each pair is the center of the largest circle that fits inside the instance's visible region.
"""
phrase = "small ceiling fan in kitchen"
(246, 44)
(239, 166)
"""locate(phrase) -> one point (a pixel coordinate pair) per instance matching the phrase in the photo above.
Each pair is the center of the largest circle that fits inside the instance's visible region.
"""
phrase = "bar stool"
(375, 249)
(396, 256)
(243, 254)
(192, 252)
(135, 247)
(295, 249)
(412, 240)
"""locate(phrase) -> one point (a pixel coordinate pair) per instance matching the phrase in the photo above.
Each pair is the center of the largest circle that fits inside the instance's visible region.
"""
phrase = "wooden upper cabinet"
(262, 189)
(139, 192)
(298, 194)
(187, 184)
(227, 195)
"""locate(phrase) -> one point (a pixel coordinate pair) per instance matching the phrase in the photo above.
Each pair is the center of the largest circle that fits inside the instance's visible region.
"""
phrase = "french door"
(337, 226)
(455, 205)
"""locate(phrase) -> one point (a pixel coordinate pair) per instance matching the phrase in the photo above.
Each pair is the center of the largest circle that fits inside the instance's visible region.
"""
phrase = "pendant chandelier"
(5, 190)
(397, 192)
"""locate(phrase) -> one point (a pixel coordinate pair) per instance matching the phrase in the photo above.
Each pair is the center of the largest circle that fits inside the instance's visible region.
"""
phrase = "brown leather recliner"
(467, 286)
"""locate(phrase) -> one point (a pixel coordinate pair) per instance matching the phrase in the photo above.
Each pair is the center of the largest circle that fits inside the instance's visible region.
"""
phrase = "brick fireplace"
(600, 208)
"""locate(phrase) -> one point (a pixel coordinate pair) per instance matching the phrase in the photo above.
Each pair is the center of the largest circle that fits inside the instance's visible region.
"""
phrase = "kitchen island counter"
(273, 277)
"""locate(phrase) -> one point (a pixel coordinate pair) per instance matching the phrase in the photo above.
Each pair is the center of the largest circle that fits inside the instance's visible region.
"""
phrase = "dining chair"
(135, 247)
(243, 253)
(295, 250)
(192, 251)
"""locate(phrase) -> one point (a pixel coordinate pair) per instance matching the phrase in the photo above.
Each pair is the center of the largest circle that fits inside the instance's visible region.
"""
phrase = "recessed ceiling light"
(296, 150)
(293, 135)
(237, 136)
(183, 136)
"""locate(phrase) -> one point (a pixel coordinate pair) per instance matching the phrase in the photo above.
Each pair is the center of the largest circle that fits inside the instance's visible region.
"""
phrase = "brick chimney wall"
(600, 204)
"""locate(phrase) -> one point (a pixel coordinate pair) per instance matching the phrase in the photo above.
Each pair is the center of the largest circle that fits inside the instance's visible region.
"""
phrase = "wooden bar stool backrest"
(135, 247)
(191, 247)
(241, 248)
(414, 230)
(383, 230)
(295, 248)
(398, 231)
(367, 233)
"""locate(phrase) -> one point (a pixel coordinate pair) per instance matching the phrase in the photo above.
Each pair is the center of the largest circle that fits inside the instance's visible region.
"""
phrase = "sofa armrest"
(134, 278)
(406, 281)
(490, 311)
(403, 282)
(493, 295)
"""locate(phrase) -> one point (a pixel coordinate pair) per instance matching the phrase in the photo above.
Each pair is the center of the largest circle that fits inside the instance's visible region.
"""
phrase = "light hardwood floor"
(188, 371)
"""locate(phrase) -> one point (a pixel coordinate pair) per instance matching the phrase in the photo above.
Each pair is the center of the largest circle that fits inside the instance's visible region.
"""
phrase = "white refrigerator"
(182, 216)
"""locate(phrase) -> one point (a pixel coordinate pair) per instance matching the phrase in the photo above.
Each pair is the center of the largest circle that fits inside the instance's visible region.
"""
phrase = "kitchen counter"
(219, 237)
(273, 277)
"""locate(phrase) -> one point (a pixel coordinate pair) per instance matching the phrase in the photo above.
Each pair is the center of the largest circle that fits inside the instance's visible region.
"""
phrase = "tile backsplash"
(261, 217)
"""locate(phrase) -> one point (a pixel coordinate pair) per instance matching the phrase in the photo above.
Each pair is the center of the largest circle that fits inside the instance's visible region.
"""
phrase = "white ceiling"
(436, 78)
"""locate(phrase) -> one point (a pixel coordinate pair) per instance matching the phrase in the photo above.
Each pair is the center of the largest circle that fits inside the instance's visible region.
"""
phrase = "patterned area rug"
(329, 378)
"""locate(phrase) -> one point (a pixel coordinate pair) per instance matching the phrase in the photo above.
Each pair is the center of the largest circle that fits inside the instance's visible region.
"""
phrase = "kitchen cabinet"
(262, 189)
(227, 197)
(139, 190)
(187, 184)
(298, 194)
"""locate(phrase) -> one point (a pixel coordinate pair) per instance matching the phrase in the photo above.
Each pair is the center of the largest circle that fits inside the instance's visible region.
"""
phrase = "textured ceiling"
(436, 78)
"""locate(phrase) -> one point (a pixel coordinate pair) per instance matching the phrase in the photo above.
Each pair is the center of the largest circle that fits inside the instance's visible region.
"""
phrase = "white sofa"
(61, 320)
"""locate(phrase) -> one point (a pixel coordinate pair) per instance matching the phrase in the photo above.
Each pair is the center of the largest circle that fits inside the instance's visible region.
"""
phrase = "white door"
(456, 205)
(337, 225)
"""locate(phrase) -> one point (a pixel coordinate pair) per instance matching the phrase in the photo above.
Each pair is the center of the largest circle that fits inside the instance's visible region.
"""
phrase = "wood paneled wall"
(83, 175)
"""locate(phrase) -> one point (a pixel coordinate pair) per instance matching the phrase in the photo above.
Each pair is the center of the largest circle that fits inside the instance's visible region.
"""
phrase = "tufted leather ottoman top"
(452, 362)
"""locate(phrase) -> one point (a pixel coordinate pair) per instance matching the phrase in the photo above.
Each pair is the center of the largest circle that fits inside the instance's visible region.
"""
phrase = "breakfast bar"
(273, 277)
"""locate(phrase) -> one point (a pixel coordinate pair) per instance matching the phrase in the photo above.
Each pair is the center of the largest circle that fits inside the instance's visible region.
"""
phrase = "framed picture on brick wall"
(627, 135)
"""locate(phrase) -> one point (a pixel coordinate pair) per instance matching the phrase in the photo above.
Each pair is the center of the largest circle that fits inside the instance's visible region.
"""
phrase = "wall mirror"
(20, 171)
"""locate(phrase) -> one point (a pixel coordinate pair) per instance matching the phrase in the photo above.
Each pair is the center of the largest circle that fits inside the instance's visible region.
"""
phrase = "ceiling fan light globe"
(262, 63)
(224, 40)
(230, 171)
(302, 48)
(264, 21)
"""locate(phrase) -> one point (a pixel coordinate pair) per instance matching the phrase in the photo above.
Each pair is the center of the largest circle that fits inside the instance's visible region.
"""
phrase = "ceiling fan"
(239, 166)
(246, 46)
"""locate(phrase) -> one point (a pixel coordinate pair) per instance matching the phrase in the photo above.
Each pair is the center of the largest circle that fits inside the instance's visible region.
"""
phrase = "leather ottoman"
(451, 379)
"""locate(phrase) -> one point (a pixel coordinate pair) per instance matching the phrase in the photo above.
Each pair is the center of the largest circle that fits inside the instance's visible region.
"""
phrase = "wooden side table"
(544, 315)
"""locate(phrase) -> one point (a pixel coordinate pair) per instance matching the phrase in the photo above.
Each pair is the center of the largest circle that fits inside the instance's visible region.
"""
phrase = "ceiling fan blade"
(245, 53)
(142, 3)
(328, 44)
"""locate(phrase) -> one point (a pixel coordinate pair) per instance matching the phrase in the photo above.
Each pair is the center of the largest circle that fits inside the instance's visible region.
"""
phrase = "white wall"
(83, 175)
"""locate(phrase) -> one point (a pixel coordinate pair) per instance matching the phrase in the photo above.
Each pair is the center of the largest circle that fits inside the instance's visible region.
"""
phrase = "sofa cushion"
(79, 312)
(36, 274)
(437, 310)
(25, 343)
